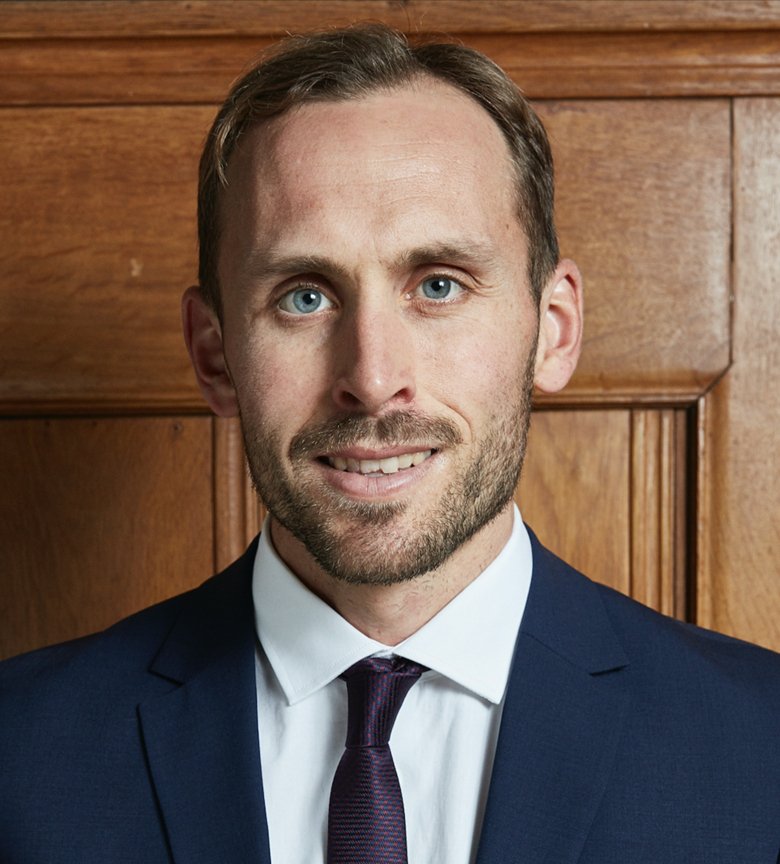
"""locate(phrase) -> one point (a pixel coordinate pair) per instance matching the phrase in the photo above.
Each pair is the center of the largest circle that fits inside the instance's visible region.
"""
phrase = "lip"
(376, 487)
(361, 453)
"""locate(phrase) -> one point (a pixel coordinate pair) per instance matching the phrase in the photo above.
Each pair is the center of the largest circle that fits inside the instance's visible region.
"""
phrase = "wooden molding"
(704, 525)
(156, 52)
(184, 70)
(659, 394)
(738, 530)
(144, 18)
(614, 394)
(657, 518)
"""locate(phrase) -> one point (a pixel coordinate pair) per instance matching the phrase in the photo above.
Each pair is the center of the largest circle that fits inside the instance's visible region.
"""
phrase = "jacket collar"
(201, 737)
(561, 722)
(559, 731)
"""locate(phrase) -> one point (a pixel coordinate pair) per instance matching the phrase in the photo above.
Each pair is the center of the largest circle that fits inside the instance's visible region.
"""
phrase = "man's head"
(378, 332)
(347, 64)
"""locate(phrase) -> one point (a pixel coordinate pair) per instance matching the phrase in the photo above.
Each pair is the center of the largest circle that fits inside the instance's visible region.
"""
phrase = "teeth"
(391, 465)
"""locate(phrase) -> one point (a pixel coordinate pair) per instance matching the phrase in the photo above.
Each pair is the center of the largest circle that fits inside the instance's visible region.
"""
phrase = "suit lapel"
(560, 726)
(561, 722)
(201, 737)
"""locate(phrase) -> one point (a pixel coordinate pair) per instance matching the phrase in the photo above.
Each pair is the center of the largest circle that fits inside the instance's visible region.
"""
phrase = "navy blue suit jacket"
(626, 738)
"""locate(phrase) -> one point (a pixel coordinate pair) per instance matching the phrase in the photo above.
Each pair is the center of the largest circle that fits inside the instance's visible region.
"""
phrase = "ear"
(560, 328)
(203, 336)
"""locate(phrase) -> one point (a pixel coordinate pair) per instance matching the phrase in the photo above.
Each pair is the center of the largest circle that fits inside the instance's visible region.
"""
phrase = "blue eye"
(440, 288)
(304, 301)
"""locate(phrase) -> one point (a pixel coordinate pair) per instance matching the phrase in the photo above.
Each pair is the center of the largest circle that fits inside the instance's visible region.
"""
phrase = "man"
(380, 290)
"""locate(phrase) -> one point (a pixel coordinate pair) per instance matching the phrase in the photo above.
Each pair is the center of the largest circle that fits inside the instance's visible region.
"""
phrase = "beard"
(384, 543)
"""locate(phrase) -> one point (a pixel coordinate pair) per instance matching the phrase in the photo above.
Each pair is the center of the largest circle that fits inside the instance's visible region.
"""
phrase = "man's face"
(378, 326)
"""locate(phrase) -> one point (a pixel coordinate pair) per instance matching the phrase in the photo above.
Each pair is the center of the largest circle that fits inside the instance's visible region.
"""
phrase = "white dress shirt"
(444, 739)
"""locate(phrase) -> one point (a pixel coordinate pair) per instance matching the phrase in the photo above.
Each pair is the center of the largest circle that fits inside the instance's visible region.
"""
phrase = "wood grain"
(643, 205)
(575, 490)
(98, 232)
(738, 575)
(99, 518)
(111, 18)
(182, 68)
(658, 475)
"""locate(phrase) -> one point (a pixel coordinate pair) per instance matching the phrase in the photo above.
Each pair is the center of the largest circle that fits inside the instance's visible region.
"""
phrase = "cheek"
(480, 364)
(281, 383)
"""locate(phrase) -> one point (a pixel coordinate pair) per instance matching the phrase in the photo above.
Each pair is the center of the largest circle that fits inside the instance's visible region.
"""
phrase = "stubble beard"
(383, 543)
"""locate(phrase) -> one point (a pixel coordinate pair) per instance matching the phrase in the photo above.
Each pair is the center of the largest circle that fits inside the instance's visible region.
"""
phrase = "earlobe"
(560, 328)
(203, 337)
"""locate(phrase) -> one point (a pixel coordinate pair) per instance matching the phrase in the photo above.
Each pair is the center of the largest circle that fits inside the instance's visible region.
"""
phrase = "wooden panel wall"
(98, 516)
(653, 472)
(739, 420)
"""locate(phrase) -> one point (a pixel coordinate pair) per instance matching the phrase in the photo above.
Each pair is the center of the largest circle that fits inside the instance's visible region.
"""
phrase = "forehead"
(424, 152)
(427, 112)
(429, 122)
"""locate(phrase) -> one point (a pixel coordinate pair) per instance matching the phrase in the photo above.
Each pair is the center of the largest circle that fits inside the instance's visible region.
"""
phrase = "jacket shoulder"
(121, 654)
(661, 651)
(680, 648)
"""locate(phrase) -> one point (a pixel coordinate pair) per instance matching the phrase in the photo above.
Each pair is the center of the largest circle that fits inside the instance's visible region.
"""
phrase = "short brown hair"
(352, 62)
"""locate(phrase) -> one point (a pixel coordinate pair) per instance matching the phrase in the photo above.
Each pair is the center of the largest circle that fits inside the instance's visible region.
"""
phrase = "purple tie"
(366, 819)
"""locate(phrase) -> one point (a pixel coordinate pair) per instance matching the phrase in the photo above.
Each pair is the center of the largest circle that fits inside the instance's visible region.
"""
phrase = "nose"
(374, 362)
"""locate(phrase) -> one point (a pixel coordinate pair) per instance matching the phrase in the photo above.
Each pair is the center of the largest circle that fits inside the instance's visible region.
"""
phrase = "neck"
(391, 613)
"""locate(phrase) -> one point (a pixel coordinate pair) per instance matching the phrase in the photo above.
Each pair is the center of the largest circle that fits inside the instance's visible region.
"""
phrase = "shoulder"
(667, 655)
(720, 667)
(111, 659)
(117, 660)
(691, 716)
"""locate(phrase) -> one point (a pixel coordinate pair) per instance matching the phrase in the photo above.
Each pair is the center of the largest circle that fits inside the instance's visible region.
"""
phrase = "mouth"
(378, 467)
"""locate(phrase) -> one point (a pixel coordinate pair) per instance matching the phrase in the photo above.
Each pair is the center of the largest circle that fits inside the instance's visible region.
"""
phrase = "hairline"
(252, 125)
(468, 73)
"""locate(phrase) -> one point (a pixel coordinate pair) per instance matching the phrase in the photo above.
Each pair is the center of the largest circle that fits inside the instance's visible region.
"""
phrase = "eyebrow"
(268, 264)
(466, 252)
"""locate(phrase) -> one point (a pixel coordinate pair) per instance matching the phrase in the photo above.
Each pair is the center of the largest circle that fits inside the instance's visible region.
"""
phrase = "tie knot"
(376, 689)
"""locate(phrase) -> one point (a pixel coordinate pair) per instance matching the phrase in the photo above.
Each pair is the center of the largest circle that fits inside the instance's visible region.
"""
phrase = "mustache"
(395, 427)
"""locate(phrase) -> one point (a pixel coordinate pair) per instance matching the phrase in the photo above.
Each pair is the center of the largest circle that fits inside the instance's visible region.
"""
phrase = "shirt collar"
(470, 641)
